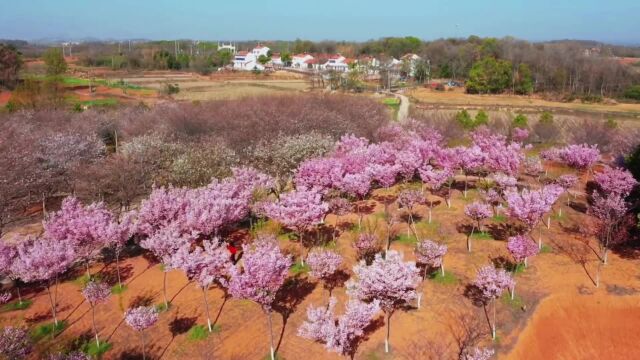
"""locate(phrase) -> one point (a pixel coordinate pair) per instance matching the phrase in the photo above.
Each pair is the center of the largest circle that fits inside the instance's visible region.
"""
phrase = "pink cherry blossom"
(615, 181)
(15, 343)
(339, 334)
(323, 263)
(521, 247)
(389, 280)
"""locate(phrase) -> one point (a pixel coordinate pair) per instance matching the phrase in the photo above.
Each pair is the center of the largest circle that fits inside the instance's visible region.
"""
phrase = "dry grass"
(459, 98)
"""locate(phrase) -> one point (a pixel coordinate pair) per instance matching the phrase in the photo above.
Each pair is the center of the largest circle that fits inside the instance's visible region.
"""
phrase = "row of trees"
(117, 156)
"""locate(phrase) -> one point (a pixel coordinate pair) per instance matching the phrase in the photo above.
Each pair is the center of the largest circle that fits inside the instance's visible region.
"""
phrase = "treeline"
(119, 155)
(574, 68)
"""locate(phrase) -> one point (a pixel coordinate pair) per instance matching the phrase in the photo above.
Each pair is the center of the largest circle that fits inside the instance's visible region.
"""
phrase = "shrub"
(282, 156)
(632, 92)
(200, 163)
(170, 89)
(520, 121)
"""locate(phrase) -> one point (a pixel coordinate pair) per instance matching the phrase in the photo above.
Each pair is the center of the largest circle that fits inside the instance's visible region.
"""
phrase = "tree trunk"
(271, 348)
(164, 289)
(53, 306)
(144, 346)
(301, 247)
(206, 307)
(95, 328)
(539, 238)
(469, 238)
(86, 263)
(442, 268)
(118, 268)
(19, 294)
(465, 186)
(386, 339)
(493, 326)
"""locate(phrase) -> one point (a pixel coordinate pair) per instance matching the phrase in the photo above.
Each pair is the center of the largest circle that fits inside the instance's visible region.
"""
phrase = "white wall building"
(301, 61)
(337, 63)
(248, 60)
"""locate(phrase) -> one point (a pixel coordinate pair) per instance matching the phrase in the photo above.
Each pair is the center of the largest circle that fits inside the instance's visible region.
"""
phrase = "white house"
(337, 62)
(412, 60)
(300, 61)
(248, 60)
(276, 60)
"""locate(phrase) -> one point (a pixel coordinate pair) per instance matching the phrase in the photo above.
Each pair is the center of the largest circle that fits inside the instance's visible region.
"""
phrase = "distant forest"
(488, 65)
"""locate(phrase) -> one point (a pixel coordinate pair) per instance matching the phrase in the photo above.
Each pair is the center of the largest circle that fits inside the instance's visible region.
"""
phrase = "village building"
(248, 60)
(300, 61)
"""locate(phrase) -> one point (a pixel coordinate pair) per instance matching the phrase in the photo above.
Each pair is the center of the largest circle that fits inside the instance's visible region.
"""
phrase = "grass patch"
(393, 104)
(201, 332)
(516, 303)
(406, 239)
(482, 235)
(100, 102)
(557, 216)
(118, 289)
(298, 268)
(424, 229)
(16, 305)
(499, 218)
(546, 249)
(84, 279)
(45, 330)
(449, 278)
(96, 351)
(518, 268)
(162, 307)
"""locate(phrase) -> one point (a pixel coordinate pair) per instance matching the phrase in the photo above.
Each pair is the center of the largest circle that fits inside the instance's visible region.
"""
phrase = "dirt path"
(403, 112)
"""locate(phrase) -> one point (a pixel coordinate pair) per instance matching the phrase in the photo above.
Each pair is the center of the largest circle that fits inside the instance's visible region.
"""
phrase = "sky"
(615, 21)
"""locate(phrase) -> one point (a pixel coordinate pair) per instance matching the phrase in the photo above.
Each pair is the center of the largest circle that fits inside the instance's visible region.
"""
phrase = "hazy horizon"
(33, 20)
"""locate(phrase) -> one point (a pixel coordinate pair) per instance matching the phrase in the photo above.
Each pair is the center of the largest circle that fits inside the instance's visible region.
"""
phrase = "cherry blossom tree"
(519, 134)
(609, 210)
(389, 280)
(339, 207)
(75, 355)
(615, 181)
(469, 160)
(163, 244)
(430, 254)
(299, 210)
(435, 179)
(339, 334)
(528, 206)
(477, 212)
(533, 167)
(41, 259)
(95, 293)
(367, 245)
(520, 248)
(409, 199)
(140, 319)
(118, 233)
(324, 265)
(491, 282)
(356, 185)
(566, 181)
(477, 354)
(163, 207)
(263, 272)
(85, 228)
(15, 343)
(206, 267)
(319, 174)
(577, 156)
(8, 255)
